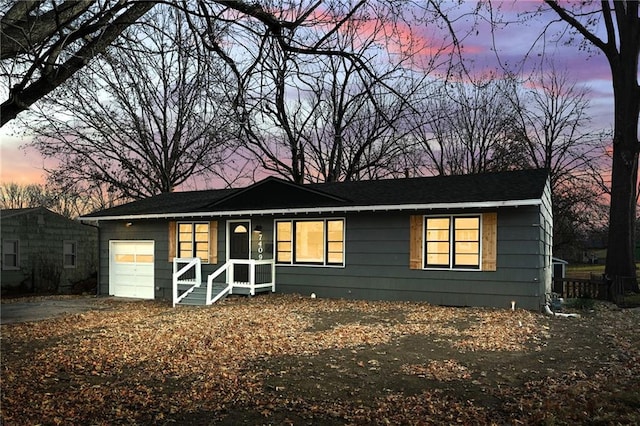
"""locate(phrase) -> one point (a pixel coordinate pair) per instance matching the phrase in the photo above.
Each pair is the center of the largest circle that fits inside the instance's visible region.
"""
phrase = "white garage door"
(131, 269)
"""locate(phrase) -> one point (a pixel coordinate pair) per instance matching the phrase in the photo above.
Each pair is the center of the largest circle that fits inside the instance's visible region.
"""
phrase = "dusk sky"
(511, 43)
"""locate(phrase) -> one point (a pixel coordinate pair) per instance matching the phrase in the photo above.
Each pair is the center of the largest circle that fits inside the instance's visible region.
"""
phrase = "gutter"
(334, 209)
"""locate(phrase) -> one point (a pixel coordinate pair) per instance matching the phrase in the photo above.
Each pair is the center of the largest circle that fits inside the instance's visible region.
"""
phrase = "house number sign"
(260, 248)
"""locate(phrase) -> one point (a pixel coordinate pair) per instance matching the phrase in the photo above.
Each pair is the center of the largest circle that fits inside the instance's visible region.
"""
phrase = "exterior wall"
(377, 266)
(157, 230)
(377, 261)
(41, 235)
(546, 237)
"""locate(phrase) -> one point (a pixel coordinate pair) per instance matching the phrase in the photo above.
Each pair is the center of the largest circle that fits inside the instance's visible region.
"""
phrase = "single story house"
(470, 240)
(43, 251)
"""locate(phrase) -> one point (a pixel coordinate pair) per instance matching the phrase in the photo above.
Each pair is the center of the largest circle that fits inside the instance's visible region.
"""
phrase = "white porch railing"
(261, 275)
(214, 298)
(190, 274)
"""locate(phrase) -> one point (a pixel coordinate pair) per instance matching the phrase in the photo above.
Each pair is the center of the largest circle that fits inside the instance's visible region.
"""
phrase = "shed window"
(311, 242)
(10, 254)
(69, 250)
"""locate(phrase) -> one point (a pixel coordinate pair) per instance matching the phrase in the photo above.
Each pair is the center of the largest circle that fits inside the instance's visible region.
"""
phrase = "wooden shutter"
(172, 240)
(415, 241)
(213, 242)
(489, 241)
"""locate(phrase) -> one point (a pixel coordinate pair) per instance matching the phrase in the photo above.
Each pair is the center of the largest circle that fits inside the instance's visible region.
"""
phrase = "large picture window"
(193, 240)
(452, 242)
(310, 242)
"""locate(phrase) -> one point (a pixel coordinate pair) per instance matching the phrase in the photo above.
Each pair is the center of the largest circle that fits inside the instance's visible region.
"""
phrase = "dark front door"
(239, 249)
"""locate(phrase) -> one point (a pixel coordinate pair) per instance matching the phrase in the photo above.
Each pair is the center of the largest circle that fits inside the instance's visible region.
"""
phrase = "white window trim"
(451, 266)
(325, 264)
(194, 241)
(75, 254)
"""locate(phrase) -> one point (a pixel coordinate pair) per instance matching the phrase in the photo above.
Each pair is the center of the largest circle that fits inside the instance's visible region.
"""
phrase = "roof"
(8, 213)
(273, 195)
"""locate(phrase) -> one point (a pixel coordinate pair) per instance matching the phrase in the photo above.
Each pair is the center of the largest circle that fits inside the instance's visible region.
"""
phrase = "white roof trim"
(343, 209)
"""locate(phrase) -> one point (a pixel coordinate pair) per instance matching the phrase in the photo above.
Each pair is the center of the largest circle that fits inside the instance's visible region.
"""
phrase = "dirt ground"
(276, 359)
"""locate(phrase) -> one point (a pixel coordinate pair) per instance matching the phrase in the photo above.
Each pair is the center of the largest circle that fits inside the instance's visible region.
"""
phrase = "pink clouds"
(22, 166)
(486, 50)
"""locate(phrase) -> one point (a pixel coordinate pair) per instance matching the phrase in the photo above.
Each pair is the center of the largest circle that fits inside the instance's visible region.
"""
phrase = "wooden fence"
(594, 287)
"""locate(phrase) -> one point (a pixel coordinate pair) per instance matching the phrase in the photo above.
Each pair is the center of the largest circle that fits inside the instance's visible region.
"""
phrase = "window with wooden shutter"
(194, 239)
(489, 241)
(453, 242)
(415, 241)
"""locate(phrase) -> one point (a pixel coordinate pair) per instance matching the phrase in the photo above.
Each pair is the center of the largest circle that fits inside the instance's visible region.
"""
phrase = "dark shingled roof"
(273, 193)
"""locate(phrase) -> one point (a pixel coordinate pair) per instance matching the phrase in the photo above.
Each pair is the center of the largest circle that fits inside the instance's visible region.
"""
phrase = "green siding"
(377, 266)
(377, 261)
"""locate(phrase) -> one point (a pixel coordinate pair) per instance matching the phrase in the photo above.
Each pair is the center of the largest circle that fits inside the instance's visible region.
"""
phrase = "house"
(472, 240)
(43, 251)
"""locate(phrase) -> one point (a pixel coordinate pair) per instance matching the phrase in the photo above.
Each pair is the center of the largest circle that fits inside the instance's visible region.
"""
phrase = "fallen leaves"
(445, 371)
(145, 362)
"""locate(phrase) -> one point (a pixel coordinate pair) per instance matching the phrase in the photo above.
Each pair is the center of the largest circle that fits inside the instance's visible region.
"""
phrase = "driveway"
(39, 309)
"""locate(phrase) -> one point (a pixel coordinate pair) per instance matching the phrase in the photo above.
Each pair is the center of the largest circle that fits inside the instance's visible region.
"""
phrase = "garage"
(131, 269)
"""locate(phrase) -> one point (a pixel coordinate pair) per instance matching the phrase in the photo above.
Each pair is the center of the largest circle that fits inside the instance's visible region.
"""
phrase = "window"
(437, 242)
(335, 242)
(311, 242)
(10, 254)
(283, 242)
(193, 240)
(452, 242)
(69, 250)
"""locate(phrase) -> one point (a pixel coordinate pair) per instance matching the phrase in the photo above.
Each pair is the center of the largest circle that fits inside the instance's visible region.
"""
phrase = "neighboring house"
(473, 240)
(43, 251)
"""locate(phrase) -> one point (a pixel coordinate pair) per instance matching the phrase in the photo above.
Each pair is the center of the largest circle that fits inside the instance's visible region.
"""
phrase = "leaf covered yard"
(292, 360)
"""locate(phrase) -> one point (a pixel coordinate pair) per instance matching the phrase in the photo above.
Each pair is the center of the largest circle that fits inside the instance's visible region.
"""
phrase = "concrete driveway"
(42, 308)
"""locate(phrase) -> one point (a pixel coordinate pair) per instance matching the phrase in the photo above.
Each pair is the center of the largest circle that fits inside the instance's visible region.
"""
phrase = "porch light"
(128, 224)
(258, 229)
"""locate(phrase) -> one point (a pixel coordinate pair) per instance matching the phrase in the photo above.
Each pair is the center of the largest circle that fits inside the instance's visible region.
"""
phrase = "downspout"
(548, 311)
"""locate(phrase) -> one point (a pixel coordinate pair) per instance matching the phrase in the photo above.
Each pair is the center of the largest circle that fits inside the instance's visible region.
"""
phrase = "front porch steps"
(198, 295)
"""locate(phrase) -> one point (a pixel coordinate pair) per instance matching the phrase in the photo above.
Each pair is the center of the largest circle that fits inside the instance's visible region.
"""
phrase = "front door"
(239, 233)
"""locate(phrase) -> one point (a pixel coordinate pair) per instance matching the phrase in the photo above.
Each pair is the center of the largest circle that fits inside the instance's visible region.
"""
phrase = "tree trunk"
(624, 174)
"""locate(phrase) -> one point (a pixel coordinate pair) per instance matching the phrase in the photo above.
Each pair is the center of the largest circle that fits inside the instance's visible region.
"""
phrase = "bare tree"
(326, 118)
(621, 47)
(471, 127)
(74, 199)
(359, 127)
(17, 196)
(556, 128)
(151, 116)
(64, 201)
(45, 42)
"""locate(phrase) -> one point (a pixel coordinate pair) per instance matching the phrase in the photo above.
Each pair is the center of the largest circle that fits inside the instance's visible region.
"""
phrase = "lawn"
(276, 359)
